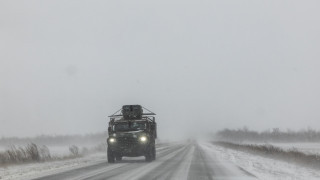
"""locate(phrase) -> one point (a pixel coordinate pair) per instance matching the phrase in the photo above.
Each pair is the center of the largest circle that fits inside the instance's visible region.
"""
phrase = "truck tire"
(118, 158)
(153, 153)
(148, 155)
(148, 158)
(111, 157)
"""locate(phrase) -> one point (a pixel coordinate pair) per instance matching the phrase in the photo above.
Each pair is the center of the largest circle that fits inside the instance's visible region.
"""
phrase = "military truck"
(132, 132)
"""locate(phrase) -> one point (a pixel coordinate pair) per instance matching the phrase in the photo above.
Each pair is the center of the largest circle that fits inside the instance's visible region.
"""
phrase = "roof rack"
(119, 113)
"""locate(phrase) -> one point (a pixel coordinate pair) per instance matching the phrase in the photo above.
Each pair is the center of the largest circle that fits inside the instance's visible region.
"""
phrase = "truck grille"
(127, 141)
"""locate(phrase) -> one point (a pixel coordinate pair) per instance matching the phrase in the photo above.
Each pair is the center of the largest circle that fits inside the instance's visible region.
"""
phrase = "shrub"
(20, 154)
(33, 152)
(74, 150)
(45, 153)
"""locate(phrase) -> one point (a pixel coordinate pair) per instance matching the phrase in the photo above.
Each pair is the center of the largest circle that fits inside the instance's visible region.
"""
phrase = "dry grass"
(291, 156)
(33, 153)
(29, 153)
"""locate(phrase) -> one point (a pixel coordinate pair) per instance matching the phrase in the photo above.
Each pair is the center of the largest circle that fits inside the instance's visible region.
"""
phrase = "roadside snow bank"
(270, 151)
(262, 167)
(34, 170)
(308, 148)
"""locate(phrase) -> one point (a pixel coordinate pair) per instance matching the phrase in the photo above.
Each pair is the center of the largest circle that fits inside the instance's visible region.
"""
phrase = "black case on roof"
(132, 111)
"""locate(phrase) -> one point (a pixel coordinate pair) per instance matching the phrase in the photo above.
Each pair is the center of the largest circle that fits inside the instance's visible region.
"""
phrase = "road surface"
(190, 160)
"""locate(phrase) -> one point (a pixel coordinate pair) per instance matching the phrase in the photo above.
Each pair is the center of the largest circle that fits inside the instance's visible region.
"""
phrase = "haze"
(199, 65)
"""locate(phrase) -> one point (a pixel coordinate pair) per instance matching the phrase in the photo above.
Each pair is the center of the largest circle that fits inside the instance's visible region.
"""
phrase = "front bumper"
(128, 147)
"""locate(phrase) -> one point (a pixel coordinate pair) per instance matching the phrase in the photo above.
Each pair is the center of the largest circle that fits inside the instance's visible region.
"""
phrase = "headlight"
(143, 139)
(112, 140)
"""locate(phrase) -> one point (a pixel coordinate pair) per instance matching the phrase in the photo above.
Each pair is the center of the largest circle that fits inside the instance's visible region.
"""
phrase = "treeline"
(273, 135)
(94, 138)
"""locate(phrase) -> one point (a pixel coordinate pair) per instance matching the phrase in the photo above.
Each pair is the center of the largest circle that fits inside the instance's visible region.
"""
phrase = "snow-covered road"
(189, 160)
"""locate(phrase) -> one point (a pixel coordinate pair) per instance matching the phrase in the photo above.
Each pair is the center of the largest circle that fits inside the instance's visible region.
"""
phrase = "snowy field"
(261, 167)
(56, 150)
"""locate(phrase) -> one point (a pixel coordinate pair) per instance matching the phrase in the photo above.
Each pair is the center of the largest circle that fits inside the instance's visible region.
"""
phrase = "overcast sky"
(200, 65)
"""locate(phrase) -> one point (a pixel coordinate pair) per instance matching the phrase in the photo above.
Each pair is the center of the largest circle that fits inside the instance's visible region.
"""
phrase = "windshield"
(127, 126)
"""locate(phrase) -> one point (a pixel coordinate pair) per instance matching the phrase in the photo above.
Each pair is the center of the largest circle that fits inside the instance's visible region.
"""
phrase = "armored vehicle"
(132, 132)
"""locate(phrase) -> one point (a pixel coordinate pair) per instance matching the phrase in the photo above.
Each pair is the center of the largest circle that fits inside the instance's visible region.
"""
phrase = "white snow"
(235, 163)
(309, 148)
(33, 170)
(261, 167)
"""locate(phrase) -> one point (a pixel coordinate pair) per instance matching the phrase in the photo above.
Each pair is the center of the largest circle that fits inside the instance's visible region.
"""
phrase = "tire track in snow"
(98, 168)
(199, 169)
(136, 169)
(171, 168)
(222, 169)
(189, 160)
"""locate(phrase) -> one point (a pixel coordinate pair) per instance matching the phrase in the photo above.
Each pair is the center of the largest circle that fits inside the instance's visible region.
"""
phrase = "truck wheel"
(148, 158)
(153, 153)
(111, 158)
(149, 155)
(118, 158)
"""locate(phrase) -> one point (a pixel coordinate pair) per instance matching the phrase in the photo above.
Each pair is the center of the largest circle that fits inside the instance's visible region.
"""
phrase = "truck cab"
(132, 133)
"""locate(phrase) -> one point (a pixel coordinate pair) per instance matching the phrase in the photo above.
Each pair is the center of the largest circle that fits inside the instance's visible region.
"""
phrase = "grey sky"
(200, 65)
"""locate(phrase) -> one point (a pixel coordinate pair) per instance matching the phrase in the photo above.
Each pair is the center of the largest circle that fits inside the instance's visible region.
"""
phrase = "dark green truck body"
(132, 133)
